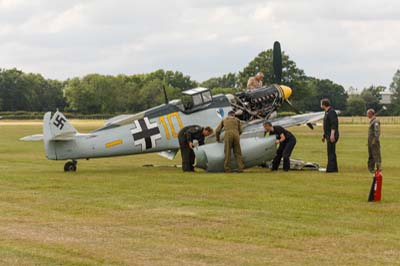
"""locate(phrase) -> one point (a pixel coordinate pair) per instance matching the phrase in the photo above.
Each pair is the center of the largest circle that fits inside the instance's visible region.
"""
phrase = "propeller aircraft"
(156, 129)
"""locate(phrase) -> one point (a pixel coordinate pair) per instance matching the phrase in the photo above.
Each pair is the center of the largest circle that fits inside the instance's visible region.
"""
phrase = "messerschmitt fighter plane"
(156, 129)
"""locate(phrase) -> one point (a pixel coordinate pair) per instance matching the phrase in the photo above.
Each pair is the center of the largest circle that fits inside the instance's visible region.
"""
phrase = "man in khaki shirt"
(255, 82)
(233, 129)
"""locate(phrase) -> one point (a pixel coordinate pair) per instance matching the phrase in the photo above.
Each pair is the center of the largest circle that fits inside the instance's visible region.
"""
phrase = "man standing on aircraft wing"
(233, 129)
(374, 146)
(286, 141)
(255, 82)
(186, 137)
(331, 134)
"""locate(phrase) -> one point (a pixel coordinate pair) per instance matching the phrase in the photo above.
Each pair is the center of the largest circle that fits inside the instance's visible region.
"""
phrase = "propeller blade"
(165, 94)
(292, 107)
(277, 62)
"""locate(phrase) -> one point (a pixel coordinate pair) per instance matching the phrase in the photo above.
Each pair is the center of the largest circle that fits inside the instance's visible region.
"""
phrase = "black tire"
(69, 167)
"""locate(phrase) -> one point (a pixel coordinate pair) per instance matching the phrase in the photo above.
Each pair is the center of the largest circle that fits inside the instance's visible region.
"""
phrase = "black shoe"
(332, 171)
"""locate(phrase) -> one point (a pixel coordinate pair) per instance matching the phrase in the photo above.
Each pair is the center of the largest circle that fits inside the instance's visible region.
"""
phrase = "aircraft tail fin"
(57, 127)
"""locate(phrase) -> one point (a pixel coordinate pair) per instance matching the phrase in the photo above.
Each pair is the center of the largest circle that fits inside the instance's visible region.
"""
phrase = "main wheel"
(70, 167)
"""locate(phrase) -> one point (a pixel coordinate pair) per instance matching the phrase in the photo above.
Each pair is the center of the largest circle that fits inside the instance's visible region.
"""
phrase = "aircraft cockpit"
(196, 99)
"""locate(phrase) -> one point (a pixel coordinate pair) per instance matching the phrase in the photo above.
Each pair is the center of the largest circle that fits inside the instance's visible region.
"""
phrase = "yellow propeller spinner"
(287, 91)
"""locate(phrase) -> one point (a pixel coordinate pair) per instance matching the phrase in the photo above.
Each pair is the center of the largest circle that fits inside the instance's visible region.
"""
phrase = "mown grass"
(116, 212)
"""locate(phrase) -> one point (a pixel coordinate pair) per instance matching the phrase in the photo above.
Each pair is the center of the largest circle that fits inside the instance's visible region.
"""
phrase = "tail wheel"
(70, 166)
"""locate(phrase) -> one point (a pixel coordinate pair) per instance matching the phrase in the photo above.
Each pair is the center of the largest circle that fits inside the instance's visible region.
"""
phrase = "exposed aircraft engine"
(260, 103)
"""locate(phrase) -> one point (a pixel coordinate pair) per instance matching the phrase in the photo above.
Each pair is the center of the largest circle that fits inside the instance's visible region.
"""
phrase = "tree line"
(106, 94)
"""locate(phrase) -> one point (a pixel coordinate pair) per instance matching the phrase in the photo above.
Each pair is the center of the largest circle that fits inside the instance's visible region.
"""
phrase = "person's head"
(207, 131)
(268, 126)
(231, 113)
(259, 76)
(370, 113)
(325, 104)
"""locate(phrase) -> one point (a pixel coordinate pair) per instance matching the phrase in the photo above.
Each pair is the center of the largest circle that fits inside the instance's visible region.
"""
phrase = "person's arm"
(334, 125)
(377, 132)
(218, 130)
(189, 135)
(240, 127)
(189, 138)
(281, 139)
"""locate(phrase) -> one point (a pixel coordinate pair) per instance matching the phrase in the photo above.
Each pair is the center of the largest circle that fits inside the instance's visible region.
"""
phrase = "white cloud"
(352, 42)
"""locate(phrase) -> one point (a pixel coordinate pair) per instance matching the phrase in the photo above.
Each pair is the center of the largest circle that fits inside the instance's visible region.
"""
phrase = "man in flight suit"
(286, 141)
(186, 137)
(233, 129)
(331, 134)
(374, 146)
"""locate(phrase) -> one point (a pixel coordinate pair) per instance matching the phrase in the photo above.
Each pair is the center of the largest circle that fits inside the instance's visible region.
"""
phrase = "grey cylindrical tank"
(255, 151)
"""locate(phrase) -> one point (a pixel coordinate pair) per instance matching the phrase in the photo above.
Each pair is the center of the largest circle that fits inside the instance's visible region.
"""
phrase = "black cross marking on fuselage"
(60, 122)
(146, 133)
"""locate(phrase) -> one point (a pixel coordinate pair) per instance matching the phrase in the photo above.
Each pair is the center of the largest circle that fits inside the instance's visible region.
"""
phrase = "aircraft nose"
(287, 91)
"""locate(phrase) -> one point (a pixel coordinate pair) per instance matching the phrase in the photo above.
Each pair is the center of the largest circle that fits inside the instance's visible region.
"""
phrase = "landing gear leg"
(70, 166)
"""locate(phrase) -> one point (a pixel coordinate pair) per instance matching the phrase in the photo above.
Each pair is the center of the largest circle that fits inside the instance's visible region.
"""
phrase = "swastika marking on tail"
(59, 122)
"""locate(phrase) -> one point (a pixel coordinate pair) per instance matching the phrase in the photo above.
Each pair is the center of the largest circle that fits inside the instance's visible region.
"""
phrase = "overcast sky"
(355, 43)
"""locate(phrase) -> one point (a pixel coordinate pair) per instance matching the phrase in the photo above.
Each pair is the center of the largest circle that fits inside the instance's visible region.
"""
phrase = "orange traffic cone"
(375, 193)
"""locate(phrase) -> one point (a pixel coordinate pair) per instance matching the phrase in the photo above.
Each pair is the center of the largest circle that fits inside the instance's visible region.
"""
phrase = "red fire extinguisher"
(375, 194)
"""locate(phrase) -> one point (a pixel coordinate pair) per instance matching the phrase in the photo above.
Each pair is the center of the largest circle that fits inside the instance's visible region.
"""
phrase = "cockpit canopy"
(197, 97)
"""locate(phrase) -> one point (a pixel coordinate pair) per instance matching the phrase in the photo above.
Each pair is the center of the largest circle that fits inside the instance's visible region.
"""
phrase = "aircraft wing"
(123, 119)
(256, 127)
(66, 137)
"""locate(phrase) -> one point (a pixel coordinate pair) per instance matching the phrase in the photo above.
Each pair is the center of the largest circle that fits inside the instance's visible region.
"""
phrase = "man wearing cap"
(186, 137)
(374, 146)
(255, 82)
(233, 129)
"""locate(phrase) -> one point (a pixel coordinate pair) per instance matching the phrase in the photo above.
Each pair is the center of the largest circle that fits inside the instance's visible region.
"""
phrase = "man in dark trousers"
(186, 137)
(331, 134)
(286, 141)
(233, 129)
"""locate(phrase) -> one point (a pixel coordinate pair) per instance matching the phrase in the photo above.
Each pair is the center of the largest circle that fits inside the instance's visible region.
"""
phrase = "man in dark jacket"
(286, 141)
(331, 134)
(186, 137)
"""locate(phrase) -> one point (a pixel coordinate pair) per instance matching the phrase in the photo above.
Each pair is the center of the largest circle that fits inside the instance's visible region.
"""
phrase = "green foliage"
(263, 63)
(30, 92)
(355, 106)
(106, 94)
(372, 96)
(226, 81)
(309, 92)
(326, 88)
(395, 88)
(122, 94)
(219, 90)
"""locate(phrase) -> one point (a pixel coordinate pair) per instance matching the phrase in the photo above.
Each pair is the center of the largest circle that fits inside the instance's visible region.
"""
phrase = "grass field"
(116, 212)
